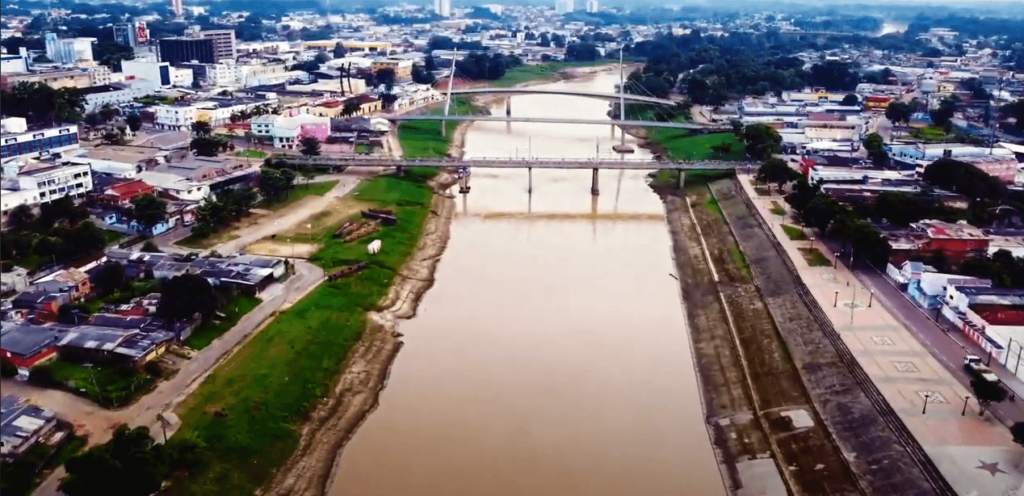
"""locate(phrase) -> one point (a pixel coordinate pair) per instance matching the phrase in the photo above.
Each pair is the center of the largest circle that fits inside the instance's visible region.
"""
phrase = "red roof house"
(122, 194)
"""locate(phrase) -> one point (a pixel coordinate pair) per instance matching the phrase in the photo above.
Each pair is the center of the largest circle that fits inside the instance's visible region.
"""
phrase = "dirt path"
(311, 468)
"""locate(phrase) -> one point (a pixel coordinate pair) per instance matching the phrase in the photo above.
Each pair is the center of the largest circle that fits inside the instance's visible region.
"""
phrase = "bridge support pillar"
(399, 170)
(529, 179)
(464, 184)
(593, 184)
(682, 179)
(508, 106)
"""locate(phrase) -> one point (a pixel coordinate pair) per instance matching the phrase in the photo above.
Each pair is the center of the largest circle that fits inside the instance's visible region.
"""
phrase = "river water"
(551, 356)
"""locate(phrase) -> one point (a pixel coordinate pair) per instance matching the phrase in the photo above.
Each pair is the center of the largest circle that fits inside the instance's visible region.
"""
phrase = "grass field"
(668, 178)
(814, 258)
(794, 233)
(423, 139)
(251, 154)
(107, 385)
(525, 73)
(678, 144)
(233, 310)
(298, 192)
(249, 412)
(778, 209)
(737, 258)
(196, 243)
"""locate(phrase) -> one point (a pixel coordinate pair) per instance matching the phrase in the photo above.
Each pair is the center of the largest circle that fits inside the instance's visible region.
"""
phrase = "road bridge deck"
(557, 120)
(510, 163)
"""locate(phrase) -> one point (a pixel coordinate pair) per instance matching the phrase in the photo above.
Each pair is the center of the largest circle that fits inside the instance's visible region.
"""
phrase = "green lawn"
(113, 237)
(298, 192)
(212, 329)
(110, 386)
(524, 73)
(679, 144)
(249, 411)
(423, 139)
(778, 209)
(794, 233)
(737, 258)
(251, 154)
(814, 258)
(711, 205)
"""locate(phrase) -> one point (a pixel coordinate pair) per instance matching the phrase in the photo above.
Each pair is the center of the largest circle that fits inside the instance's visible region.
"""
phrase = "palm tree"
(351, 108)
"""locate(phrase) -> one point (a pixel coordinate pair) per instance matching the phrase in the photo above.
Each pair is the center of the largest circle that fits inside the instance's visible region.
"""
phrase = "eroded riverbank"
(309, 470)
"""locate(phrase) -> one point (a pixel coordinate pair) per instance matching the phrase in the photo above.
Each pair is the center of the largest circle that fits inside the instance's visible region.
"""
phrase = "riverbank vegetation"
(680, 144)
(423, 139)
(249, 411)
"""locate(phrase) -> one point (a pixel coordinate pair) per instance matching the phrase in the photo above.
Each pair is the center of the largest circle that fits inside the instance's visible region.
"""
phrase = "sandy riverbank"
(311, 467)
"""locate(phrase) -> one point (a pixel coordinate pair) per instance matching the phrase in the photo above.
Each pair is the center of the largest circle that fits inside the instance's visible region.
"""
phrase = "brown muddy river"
(551, 356)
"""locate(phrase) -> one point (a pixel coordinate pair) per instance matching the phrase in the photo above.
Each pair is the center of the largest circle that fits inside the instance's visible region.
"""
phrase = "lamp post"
(924, 409)
(853, 303)
(835, 261)
(871, 298)
(835, 303)
(964, 411)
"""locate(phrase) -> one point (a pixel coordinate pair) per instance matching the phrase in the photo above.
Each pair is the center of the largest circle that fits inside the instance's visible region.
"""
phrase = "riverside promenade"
(976, 454)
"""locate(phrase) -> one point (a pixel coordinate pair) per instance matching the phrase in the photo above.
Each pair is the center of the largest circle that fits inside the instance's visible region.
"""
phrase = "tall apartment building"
(131, 34)
(68, 51)
(564, 6)
(593, 6)
(178, 50)
(176, 7)
(443, 8)
(223, 43)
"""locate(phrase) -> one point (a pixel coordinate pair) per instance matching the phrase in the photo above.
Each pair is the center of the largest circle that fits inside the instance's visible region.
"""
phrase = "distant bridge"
(587, 94)
(521, 163)
(557, 120)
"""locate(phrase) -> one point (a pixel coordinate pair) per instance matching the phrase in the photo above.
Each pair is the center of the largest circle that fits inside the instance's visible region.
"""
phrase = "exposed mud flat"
(329, 427)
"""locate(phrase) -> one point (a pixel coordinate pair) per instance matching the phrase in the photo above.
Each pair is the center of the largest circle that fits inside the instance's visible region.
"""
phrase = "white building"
(111, 94)
(287, 131)
(593, 6)
(156, 74)
(30, 182)
(10, 64)
(99, 74)
(68, 51)
(176, 7)
(181, 116)
(443, 8)
(564, 6)
(17, 141)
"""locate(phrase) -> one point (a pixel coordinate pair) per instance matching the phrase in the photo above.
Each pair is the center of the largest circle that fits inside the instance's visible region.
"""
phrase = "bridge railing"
(452, 162)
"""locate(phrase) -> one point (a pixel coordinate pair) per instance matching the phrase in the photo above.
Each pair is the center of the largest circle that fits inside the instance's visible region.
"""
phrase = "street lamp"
(964, 411)
(871, 298)
(924, 409)
(835, 303)
(835, 261)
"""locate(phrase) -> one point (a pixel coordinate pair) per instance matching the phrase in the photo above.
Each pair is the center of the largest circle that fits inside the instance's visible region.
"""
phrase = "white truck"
(974, 365)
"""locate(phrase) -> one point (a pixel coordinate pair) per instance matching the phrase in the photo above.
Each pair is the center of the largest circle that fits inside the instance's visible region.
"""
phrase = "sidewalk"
(975, 454)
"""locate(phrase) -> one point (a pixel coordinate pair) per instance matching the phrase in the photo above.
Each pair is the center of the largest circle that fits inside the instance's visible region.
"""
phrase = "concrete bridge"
(587, 94)
(558, 120)
(520, 163)
(465, 166)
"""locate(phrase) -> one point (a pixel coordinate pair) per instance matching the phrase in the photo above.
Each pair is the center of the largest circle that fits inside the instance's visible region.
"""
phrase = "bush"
(7, 369)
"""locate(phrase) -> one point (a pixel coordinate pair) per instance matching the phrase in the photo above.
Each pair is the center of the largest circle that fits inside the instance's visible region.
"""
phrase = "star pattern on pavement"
(992, 468)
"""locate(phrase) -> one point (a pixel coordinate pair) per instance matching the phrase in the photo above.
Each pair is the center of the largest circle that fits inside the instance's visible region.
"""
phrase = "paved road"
(354, 161)
(172, 391)
(946, 344)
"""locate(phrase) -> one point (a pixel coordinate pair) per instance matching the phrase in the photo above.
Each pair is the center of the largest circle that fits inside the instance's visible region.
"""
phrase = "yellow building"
(335, 108)
(402, 68)
(369, 46)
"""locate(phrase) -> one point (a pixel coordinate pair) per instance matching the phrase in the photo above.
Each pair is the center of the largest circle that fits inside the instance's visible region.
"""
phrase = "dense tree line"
(227, 206)
(438, 42)
(60, 233)
(819, 210)
(477, 66)
(40, 104)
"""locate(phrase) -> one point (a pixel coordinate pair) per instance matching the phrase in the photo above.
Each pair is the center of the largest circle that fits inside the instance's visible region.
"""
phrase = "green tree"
(134, 122)
(202, 129)
(186, 295)
(275, 183)
(131, 458)
(942, 115)
(776, 171)
(205, 146)
(875, 146)
(339, 50)
(850, 100)
(761, 141)
(986, 393)
(309, 146)
(21, 218)
(148, 210)
(321, 58)
(7, 368)
(109, 278)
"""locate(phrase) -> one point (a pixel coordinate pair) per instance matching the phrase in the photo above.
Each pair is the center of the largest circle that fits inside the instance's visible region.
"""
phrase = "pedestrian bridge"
(587, 94)
(557, 120)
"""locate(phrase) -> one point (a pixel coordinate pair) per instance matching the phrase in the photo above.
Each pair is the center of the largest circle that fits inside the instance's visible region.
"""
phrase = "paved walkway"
(975, 454)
